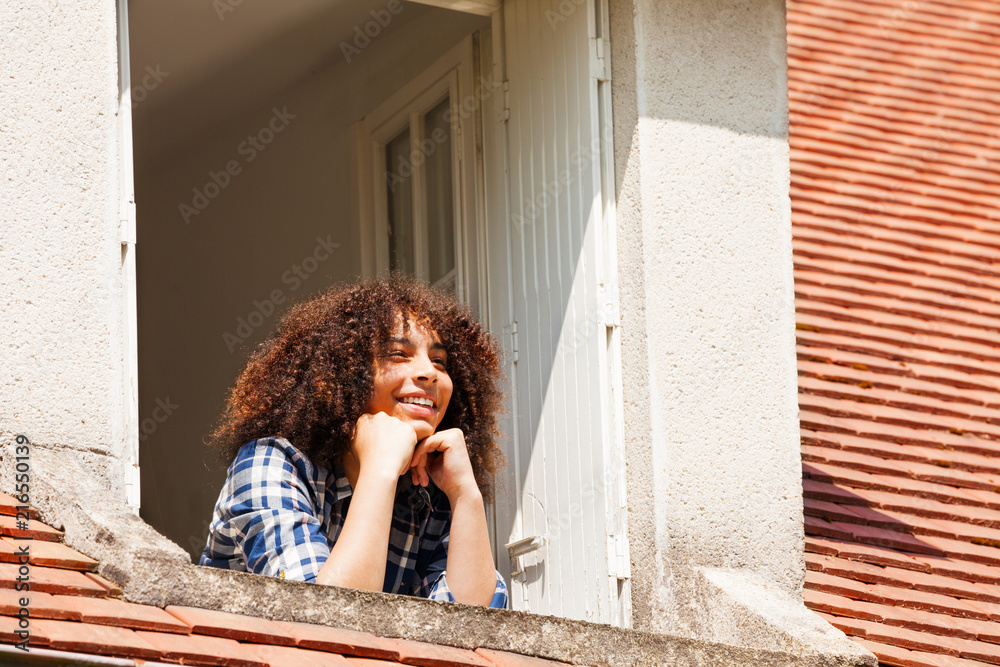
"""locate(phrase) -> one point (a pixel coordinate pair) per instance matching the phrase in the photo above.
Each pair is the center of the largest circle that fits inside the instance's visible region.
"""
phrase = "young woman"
(362, 444)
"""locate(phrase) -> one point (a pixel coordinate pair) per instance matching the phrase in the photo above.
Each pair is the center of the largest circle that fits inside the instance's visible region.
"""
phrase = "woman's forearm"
(357, 560)
(471, 572)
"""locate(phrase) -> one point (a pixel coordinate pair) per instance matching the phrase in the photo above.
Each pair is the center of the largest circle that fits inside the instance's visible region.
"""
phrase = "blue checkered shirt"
(278, 514)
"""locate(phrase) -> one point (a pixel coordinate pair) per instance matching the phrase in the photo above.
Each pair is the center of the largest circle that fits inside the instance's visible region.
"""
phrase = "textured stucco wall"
(707, 311)
(61, 338)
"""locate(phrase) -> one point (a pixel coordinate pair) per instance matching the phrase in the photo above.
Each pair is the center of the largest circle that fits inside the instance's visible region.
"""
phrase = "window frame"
(450, 76)
(129, 291)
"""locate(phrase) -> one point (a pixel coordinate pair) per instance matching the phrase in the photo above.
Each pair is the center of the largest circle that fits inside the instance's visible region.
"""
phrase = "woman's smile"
(419, 406)
(417, 400)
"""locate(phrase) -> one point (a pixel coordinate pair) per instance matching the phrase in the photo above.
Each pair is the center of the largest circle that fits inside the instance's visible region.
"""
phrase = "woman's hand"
(383, 444)
(450, 468)
(444, 457)
(380, 452)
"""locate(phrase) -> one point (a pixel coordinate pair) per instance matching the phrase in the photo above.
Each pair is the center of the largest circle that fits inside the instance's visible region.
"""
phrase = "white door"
(553, 300)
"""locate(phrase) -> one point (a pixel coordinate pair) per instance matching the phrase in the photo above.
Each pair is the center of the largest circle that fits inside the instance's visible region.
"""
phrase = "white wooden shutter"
(559, 320)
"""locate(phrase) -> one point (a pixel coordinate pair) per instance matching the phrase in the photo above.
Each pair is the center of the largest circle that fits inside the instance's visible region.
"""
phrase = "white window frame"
(126, 218)
(451, 76)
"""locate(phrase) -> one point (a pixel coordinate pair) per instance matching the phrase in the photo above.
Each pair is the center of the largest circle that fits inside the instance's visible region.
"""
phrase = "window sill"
(153, 570)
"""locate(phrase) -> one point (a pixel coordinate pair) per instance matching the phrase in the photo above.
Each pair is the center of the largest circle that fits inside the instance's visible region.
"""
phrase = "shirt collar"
(412, 493)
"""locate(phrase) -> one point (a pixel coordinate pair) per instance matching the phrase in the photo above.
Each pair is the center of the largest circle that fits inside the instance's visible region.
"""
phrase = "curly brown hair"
(313, 378)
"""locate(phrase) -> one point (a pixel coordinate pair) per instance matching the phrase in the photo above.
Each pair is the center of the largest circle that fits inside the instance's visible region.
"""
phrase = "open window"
(290, 146)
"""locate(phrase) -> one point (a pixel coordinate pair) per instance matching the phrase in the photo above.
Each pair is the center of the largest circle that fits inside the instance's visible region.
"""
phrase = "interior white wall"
(197, 279)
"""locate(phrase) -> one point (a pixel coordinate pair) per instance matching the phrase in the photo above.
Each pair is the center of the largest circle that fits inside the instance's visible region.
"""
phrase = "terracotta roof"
(895, 140)
(75, 613)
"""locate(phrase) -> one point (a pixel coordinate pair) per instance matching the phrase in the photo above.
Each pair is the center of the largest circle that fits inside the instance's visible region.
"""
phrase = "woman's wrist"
(378, 476)
(466, 494)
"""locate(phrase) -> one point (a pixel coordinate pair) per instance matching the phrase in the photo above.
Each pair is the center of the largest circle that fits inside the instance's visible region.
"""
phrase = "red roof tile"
(843, 606)
(89, 638)
(201, 650)
(287, 656)
(49, 554)
(894, 110)
(42, 605)
(112, 590)
(9, 507)
(893, 655)
(36, 529)
(53, 580)
(10, 626)
(348, 642)
(231, 626)
(505, 659)
(434, 655)
(107, 611)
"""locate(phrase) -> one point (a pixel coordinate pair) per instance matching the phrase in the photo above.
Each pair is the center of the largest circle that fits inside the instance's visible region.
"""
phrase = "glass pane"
(399, 195)
(440, 209)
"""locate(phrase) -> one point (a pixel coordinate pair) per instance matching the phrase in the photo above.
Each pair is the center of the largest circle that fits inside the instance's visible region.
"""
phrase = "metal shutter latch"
(521, 548)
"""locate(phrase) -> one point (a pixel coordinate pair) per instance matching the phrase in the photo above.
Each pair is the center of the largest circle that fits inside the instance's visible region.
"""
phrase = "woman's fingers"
(425, 447)
(418, 464)
(450, 468)
(418, 471)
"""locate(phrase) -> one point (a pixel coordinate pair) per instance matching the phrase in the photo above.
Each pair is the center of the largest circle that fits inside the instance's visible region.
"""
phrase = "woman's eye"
(440, 361)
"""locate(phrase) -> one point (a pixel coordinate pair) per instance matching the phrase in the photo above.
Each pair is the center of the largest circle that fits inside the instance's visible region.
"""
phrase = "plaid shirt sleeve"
(268, 514)
(436, 581)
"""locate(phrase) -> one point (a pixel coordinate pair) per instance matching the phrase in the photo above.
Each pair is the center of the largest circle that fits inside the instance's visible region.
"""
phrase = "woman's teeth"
(418, 401)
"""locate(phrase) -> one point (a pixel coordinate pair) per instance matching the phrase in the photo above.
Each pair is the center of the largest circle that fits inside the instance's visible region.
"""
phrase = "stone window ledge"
(153, 570)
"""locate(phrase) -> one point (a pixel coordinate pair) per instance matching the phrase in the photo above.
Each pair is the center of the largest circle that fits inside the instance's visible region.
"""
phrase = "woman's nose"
(423, 368)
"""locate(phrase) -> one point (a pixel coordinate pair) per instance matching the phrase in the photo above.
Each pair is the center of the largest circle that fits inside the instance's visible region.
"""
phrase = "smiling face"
(411, 379)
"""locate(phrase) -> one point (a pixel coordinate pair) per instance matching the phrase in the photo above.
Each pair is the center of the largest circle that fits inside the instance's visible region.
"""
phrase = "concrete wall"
(707, 308)
(62, 345)
(214, 282)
